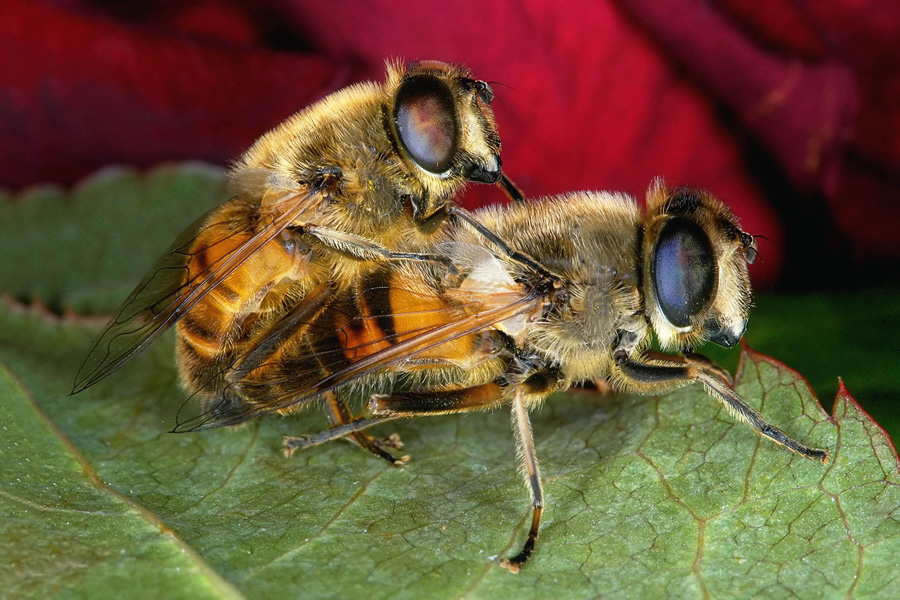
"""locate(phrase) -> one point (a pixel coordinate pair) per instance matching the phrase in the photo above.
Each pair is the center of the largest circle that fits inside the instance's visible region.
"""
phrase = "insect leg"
(365, 249)
(522, 428)
(514, 255)
(661, 377)
(339, 414)
(709, 367)
(292, 444)
(698, 360)
(479, 397)
(390, 407)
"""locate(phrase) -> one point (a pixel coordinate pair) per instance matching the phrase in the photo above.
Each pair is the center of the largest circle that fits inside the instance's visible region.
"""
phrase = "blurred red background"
(790, 112)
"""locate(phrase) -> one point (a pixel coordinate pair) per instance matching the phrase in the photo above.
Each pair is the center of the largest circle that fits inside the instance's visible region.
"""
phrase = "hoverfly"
(363, 175)
(543, 295)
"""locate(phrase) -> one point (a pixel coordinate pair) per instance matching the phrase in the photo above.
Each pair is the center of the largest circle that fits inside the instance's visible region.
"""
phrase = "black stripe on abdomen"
(375, 300)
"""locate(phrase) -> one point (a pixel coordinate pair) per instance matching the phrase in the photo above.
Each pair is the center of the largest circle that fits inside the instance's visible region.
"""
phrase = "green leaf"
(826, 335)
(646, 497)
(65, 529)
(85, 250)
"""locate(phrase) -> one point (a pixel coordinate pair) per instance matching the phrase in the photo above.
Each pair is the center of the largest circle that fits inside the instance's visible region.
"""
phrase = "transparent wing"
(182, 277)
(330, 357)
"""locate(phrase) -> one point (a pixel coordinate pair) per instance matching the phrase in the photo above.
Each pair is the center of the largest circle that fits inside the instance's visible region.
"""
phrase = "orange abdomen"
(222, 319)
(390, 308)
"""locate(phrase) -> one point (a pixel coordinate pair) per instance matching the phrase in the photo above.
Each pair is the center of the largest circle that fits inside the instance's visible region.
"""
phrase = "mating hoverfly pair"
(342, 268)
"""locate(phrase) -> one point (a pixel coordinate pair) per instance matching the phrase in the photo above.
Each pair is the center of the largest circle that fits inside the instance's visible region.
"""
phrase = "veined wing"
(180, 279)
(360, 347)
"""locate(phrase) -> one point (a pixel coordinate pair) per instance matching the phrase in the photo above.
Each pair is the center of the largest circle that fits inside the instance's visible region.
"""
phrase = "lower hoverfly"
(543, 295)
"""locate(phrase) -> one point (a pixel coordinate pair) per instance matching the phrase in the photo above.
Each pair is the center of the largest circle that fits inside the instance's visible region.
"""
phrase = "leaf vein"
(218, 582)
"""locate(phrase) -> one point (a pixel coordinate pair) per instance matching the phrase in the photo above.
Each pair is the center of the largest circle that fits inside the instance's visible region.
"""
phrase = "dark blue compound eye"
(425, 118)
(683, 271)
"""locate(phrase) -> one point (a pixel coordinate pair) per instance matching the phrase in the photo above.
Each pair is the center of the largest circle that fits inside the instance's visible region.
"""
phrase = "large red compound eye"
(425, 119)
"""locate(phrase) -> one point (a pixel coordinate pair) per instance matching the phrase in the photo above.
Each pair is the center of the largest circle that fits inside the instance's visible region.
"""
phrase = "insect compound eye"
(425, 119)
(750, 255)
(485, 92)
(748, 244)
(482, 89)
(683, 271)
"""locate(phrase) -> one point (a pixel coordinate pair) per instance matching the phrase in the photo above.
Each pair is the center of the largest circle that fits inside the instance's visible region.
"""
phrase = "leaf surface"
(646, 497)
(81, 250)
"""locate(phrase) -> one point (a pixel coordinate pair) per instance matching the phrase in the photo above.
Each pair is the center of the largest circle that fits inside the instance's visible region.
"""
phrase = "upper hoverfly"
(362, 175)
(542, 295)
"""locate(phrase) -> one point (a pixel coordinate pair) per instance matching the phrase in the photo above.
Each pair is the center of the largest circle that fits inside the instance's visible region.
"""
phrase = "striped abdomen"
(363, 336)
